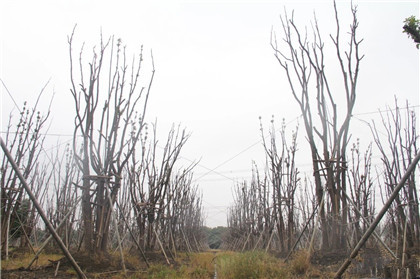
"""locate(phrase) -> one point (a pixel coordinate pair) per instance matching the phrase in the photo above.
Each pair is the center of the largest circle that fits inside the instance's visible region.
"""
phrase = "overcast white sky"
(215, 69)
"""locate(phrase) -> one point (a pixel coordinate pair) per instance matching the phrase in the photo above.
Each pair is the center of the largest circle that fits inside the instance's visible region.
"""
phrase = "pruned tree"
(25, 142)
(303, 62)
(361, 189)
(107, 95)
(263, 215)
(150, 182)
(243, 215)
(284, 177)
(65, 195)
(398, 149)
(184, 214)
(251, 220)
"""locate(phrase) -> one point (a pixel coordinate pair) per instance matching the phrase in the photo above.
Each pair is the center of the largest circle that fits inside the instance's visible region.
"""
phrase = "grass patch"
(250, 265)
(160, 271)
(23, 260)
(229, 265)
(196, 265)
(202, 263)
(299, 263)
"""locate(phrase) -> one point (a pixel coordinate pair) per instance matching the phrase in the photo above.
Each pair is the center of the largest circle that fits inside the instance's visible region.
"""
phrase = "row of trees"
(114, 185)
(283, 208)
(267, 203)
(272, 209)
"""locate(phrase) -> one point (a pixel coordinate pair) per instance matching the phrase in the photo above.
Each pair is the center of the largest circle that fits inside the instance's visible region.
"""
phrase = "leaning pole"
(378, 218)
(41, 211)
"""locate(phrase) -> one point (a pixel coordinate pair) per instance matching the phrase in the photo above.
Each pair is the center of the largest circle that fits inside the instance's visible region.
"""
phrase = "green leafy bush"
(412, 29)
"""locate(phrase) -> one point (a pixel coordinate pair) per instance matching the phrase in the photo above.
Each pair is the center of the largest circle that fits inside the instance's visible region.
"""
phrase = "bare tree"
(283, 175)
(150, 182)
(25, 141)
(40, 182)
(265, 206)
(251, 219)
(184, 213)
(303, 62)
(108, 134)
(398, 150)
(65, 177)
(361, 190)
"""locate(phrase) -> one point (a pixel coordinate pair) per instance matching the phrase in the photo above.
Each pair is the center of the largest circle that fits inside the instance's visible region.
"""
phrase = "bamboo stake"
(7, 235)
(122, 240)
(189, 249)
(41, 211)
(170, 252)
(396, 249)
(311, 245)
(301, 234)
(259, 239)
(50, 237)
(25, 234)
(117, 232)
(196, 243)
(235, 244)
(271, 238)
(56, 269)
(249, 234)
(378, 218)
(374, 233)
(173, 242)
(404, 245)
(161, 246)
(134, 238)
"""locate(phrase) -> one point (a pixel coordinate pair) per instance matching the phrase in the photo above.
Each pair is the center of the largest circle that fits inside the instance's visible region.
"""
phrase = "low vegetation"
(226, 265)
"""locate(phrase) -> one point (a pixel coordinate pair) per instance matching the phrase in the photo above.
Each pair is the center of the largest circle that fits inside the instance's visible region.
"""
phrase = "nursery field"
(262, 145)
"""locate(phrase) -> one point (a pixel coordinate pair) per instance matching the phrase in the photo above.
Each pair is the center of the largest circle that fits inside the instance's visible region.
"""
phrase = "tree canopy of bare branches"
(25, 142)
(303, 61)
(107, 95)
